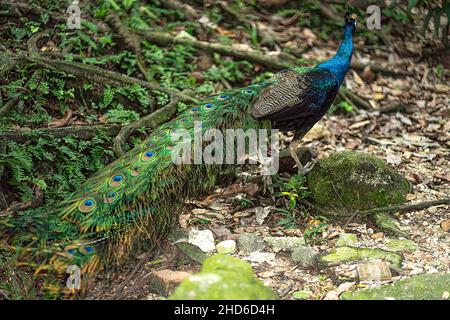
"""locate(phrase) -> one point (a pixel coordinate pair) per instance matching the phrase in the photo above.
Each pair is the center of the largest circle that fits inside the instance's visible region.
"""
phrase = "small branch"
(399, 208)
(357, 100)
(189, 12)
(34, 203)
(11, 103)
(150, 121)
(407, 207)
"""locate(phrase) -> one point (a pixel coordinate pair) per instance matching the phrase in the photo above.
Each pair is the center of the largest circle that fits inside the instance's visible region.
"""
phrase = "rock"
(260, 257)
(192, 252)
(305, 257)
(226, 247)
(387, 223)
(301, 295)
(204, 239)
(163, 282)
(223, 277)
(374, 271)
(377, 235)
(397, 245)
(419, 287)
(445, 225)
(346, 239)
(179, 237)
(352, 181)
(249, 242)
(361, 180)
(349, 254)
(284, 243)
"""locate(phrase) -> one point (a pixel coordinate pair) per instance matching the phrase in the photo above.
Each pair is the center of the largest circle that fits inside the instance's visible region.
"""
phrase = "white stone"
(204, 239)
(226, 247)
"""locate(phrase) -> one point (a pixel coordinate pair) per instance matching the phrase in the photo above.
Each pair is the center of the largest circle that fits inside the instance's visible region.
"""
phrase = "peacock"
(131, 203)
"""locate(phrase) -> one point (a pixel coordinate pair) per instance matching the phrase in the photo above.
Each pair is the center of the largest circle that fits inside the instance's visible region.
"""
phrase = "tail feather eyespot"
(87, 205)
(116, 180)
(148, 155)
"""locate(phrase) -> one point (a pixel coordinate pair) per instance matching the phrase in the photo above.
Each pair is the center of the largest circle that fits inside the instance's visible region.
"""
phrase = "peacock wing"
(294, 94)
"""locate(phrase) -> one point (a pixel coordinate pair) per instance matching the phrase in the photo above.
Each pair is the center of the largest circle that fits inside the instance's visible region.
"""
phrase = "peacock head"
(350, 21)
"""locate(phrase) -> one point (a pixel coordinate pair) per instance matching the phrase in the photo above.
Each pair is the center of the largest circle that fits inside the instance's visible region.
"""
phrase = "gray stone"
(284, 243)
(250, 242)
(304, 256)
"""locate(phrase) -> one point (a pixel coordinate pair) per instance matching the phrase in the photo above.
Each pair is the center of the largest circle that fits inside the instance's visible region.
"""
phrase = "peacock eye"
(87, 205)
(194, 109)
(89, 249)
(71, 251)
(116, 180)
(148, 155)
(223, 97)
(248, 91)
(208, 106)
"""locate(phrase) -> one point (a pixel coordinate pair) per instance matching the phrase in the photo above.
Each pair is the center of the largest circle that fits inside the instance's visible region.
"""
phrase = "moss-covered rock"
(350, 254)
(362, 181)
(398, 245)
(346, 239)
(419, 287)
(223, 277)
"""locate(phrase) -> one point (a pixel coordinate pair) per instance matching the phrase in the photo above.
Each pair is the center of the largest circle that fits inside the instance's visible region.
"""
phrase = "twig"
(393, 107)
(186, 9)
(12, 102)
(150, 121)
(339, 196)
(357, 100)
(33, 203)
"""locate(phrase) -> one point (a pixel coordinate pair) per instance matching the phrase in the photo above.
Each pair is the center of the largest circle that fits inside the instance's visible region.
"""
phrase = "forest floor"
(396, 107)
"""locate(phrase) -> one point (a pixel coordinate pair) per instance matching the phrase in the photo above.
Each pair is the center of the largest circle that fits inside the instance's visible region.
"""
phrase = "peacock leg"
(302, 170)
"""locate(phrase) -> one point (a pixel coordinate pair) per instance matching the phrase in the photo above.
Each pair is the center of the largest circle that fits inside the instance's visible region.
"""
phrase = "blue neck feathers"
(340, 63)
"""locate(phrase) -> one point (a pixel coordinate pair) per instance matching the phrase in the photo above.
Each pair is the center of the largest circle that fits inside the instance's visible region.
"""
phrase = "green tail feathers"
(131, 203)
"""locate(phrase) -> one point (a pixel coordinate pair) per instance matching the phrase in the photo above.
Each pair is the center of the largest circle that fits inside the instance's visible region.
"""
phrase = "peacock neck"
(340, 63)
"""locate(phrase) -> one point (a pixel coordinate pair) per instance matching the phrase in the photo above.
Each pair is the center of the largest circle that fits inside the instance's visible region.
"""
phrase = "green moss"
(362, 181)
(420, 287)
(223, 277)
(350, 254)
(387, 223)
(397, 245)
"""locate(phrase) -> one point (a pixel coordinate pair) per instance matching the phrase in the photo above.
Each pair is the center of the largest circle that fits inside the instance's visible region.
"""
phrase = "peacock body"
(130, 203)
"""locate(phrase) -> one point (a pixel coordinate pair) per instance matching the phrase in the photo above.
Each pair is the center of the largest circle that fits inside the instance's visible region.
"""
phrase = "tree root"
(277, 62)
(130, 40)
(165, 39)
(85, 132)
(99, 75)
(150, 121)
